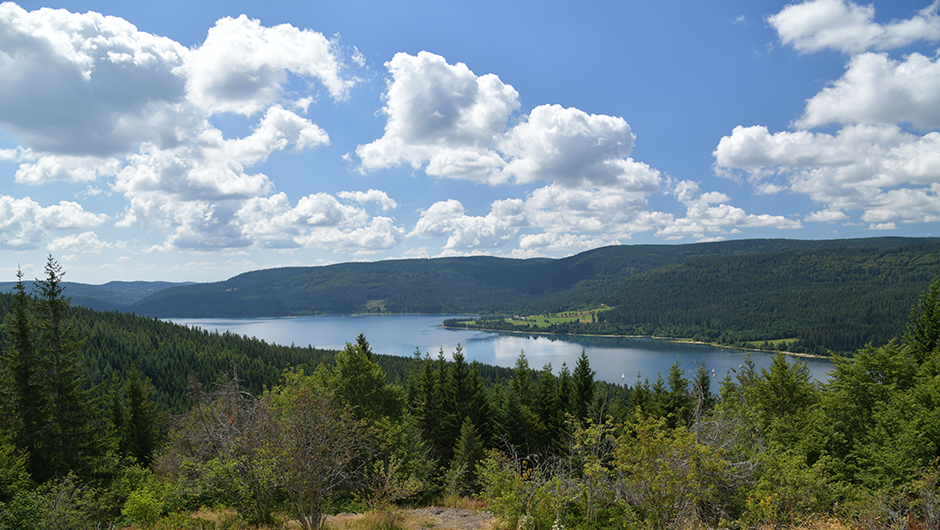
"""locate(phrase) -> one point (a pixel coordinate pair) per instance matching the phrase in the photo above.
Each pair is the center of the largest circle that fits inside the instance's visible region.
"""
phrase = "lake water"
(611, 357)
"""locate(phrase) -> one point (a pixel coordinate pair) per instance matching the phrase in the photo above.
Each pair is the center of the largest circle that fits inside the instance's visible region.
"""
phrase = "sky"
(193, 141)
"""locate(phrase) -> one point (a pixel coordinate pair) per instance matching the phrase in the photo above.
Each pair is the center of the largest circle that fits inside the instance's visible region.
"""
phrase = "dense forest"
(819, 301)
(117, 420)
(821, 296)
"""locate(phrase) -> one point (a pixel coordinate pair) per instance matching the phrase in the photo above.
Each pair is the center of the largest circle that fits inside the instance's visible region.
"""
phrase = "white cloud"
(363, 197)
(826, 216)
(86, 243)
(23, 222)
(555, 144)
(92, 98)
(54, 168)
(86, 84)
(443, 115)
(850, 28)
(448, 218)
(318, 221)
(456, 125)
(868, 167)
(196, 188)
(707, 215)
(877, 89)
(242, 66)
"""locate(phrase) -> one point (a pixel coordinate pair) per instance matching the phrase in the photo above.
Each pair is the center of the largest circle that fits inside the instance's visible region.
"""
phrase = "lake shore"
(670, 339)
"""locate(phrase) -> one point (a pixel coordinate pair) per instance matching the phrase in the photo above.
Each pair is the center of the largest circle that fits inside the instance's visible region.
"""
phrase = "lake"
(611, 357)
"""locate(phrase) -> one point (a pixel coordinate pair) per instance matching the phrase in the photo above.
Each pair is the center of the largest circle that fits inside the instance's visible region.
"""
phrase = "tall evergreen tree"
(678, 402)
(547, 407)
(468, 451)
(23, 399)
(141, 428)
(923, 331)
(583, 383)
(480, 410)
(71, 439)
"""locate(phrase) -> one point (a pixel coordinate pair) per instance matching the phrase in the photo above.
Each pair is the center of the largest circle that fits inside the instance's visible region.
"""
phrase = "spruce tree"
(24, 401)
(141, 426)
(71, 440)
(583, 382)
(468, 451)
(923, 332)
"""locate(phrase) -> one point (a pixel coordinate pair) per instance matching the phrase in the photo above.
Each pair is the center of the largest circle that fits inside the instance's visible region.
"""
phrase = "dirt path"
(435, 518)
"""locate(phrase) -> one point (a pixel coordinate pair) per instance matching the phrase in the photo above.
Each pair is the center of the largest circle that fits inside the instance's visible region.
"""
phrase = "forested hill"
(114, 295)
(462, 285)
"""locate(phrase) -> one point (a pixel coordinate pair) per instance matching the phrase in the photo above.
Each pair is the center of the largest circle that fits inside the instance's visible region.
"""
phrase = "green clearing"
(776, 344)
(543, 321)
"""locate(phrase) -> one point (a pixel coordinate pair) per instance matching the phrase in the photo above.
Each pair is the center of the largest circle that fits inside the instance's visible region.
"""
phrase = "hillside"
(450, 285)
(111, 296)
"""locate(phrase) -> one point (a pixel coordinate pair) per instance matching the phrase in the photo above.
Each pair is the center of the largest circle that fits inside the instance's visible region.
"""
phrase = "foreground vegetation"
(541, 449)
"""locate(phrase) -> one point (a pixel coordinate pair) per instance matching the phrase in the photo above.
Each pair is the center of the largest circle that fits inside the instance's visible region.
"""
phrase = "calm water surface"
(610, 357)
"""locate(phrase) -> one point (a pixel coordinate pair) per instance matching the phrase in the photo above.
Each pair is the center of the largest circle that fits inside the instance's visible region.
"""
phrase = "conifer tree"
(468, 451)
(457, 393)
(70, 439)
(521, 382)
(141, 429)
(547, 407)
(923, 332)
(583, 383)
(23, 400)
(678, 403)
(480, 409)
(565, 392)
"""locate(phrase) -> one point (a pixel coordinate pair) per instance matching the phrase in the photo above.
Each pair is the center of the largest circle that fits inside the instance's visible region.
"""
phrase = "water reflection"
(610, 357)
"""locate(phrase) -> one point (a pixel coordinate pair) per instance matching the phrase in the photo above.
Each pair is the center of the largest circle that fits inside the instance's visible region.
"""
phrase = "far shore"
(670, 339)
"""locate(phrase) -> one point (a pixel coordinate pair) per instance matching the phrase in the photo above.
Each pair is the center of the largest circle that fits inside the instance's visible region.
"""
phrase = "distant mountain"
(831, 294)
(112, 296)
(451, 285)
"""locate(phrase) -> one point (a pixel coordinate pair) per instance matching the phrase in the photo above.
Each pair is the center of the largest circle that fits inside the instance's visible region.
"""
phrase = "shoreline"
(669, 339)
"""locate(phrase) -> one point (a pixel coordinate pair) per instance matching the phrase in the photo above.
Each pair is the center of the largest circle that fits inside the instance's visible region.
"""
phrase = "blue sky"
(197, 140)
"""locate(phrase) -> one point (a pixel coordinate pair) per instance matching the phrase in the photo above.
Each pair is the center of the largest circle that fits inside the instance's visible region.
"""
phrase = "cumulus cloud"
(242, 66)
(448, 218)
(24, 222)
(871, 164)
(92, 98)
(877, 89)
(443, 115)
(569, 145)
(557, 218)
(54, 168)
(456, 124)
(874, 168)
(826, 216)
(86, 243)
(87, 84)
(850, 28)
(318, 221)
(363, 197)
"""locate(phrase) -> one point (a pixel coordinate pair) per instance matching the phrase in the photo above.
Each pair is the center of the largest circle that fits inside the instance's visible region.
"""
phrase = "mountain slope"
(450, 285)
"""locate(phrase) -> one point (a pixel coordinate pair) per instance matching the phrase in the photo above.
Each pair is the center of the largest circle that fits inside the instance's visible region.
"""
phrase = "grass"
(775, 344)
(543, 321)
